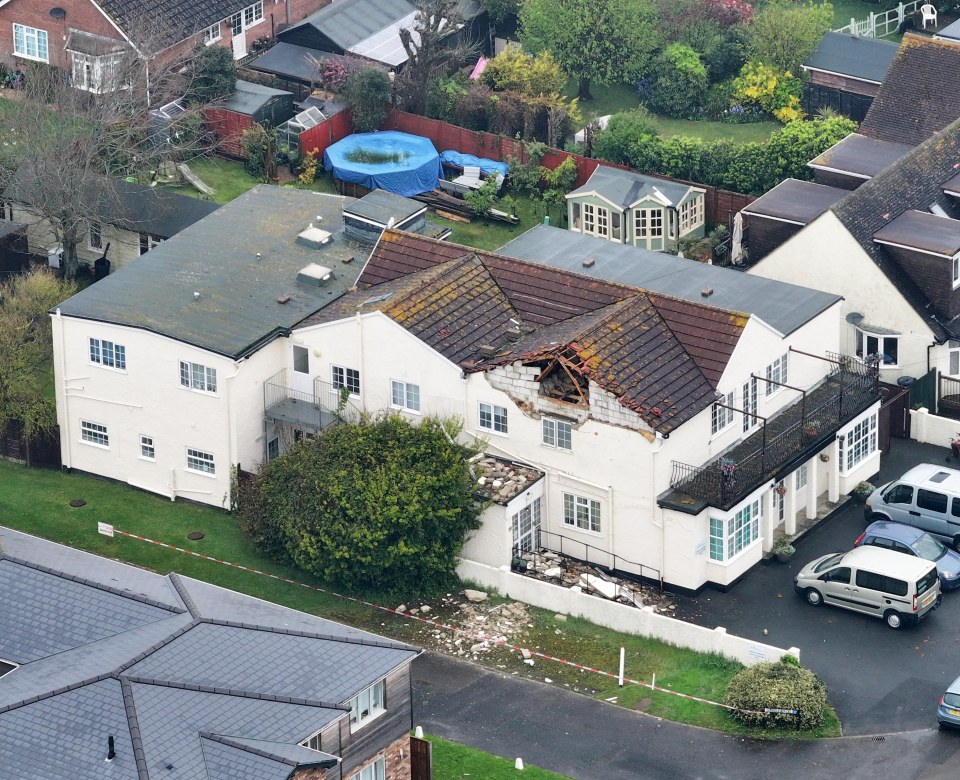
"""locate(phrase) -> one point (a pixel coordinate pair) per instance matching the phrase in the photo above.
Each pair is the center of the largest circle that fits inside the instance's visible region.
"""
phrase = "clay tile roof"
(920, 93)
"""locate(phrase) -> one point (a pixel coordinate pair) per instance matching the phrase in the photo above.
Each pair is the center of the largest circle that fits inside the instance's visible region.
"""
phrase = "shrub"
(680, 83)
(729, 12)
(214, 75)
(779, 686)
(777, 93)
(367, 93)
(622, 132)
(308, 168)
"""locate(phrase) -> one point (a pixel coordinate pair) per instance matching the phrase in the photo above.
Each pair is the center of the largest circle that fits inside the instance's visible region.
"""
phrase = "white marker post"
(620, 678)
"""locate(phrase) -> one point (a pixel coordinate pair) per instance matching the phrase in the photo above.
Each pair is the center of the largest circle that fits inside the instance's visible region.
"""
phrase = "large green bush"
(680, 84)
(623, 131)
(778, 686)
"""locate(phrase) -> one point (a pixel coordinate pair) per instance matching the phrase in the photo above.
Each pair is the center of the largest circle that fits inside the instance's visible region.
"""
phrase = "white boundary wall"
(620, 617)
(928, 428)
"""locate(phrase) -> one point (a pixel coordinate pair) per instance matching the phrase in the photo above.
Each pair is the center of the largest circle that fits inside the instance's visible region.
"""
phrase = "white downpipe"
(232, 455)
(65, 438)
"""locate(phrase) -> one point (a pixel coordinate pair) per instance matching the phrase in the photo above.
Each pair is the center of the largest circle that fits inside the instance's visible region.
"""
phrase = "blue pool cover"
(486, 166)
(396, 162)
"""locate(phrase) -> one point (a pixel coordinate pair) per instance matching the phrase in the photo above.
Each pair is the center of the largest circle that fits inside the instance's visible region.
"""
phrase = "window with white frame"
(691, 214)
(722, 416)
(31, 43)
(95, 236)
(732, 536)
(956, 271)
(198, 460)
(749, 415)
(212, 34)
(94, 433)
(6, 211)
(885, 346)
(147, 450)
(348, 378)
(648, 223)
(273, 451)
(198, 377)
(403, 395)
(858, 444)
(252, 14)
(616, 233)
(107, 353)
(557, 433)
(953, 359)
(581, 512)
(800, 477)
(148, 241)
(493, 418)
(375, 771)
(100, 74)
(526, 527)
(367, 705)
(312, 742)
(777, 372)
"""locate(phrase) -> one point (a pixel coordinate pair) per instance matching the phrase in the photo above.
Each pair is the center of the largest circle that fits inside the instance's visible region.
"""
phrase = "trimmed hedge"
(778, 686)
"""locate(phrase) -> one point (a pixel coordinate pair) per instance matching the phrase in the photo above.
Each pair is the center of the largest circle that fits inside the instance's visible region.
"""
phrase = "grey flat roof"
(866, 59)
(950, 33)
(292, 62)
(626, 187)
(237, 307)
(783, 306)
(380, 206)
(799, 202)
(250, 98)
(861, 156)
(924, 231)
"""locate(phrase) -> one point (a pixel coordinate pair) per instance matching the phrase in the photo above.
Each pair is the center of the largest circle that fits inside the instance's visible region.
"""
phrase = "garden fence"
(880, 25)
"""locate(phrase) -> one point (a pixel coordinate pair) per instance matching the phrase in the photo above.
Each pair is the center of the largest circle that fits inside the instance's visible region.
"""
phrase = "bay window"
(731, 536)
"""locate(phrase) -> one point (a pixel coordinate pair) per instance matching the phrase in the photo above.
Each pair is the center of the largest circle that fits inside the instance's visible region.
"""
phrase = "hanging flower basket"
(780, 490)
(728, 471)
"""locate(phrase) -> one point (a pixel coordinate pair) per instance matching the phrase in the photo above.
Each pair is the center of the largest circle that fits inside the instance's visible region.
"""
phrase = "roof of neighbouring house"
(250, 98)
(624, 188)
(229, 283)
(914, 182)
(380, 206)
(289, 61)
(922, 231)
(865, 59)
(794, 201)
(659, 355)
(500, 480)
(949, 33)
(920, 93)
(860, 156)
(181, 673)
(784, 307)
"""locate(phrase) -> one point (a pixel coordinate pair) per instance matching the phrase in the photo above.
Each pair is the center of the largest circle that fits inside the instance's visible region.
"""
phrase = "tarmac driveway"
(880, 680)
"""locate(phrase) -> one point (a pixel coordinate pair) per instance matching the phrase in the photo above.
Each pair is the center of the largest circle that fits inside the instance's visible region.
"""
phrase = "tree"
(65, 140)
(597, 41)
(26, 350)
(534, 76)
(500, 11)
(784, 33)
(432, 53)
(214, 75)
(379, 504)
(367, 94)
(680, 85)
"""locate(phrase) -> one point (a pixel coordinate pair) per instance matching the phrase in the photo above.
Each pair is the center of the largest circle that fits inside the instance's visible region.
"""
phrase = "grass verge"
(452, 760)
(37, 502)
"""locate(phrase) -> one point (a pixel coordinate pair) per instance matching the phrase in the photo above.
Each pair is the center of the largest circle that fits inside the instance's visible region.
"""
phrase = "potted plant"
(783, 549)
(728, 470)
(861, 491)
(811, 428)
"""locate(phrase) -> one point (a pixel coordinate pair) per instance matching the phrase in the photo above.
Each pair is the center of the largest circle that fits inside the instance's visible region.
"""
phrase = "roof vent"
(315, 237)
(706, 292)
(487, 350)
(314, 275)
(111, 753)
(283, 299)
(589, 262)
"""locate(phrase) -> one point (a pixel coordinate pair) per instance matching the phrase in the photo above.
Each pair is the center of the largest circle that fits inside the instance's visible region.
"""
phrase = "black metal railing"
(799, 430)
(316, 409)
(588, 554)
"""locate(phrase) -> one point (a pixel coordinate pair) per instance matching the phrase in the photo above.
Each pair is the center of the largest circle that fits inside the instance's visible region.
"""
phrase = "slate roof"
(923, 231)
(660, 356)
(625, 188)
(784, 307)
(865, 59)
(795, 201)
(290, 61)
(914, 182)
(860, 156)
(920, 93)
(250, 98)
(239, 307)
(218, 685)
(171, 21)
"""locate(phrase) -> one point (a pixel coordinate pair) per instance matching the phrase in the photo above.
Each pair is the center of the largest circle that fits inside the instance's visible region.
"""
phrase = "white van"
(898, 588)
(926, 497)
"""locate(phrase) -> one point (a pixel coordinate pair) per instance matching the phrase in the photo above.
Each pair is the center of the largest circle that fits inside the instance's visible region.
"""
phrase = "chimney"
(111, 753)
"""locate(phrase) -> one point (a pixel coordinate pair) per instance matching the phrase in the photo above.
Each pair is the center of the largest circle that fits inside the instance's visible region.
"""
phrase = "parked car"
(912, 541)
(927, 497)
(948, 710)
(899, 588)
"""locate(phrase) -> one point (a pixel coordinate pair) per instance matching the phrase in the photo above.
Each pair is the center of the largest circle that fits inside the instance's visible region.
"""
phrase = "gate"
(894, 417)
(421, 759)
(923, 392)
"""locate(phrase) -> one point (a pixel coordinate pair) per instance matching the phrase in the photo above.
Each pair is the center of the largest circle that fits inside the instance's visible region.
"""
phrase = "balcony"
(782, 442)
(310, 411)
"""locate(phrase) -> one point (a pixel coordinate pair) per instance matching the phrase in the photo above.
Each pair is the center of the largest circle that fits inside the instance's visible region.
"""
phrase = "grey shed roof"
(218, 685)
(250, 98)
(626, 187)
(949, 33)
(381, 206)
(795, 201)
(866, 59)
(784, 307)
(860, 156)
(238, 308)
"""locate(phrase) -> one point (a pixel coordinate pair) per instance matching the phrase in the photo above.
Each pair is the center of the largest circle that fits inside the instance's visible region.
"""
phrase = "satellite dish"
(58, 13)
(854, 318)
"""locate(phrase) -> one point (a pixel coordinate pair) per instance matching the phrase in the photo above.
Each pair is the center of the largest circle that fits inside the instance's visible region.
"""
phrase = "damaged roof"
(190, 679)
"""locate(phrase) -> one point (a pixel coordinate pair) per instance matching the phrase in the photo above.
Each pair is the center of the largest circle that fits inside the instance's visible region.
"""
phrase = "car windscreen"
(825, 564)
(926, 582)
(927, 547)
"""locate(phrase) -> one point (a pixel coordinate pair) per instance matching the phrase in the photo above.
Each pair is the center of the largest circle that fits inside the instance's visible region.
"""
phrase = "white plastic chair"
(929, 14)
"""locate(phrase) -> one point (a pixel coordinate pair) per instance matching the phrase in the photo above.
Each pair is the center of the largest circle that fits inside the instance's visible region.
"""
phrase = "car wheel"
(814, 598)
(893, 619)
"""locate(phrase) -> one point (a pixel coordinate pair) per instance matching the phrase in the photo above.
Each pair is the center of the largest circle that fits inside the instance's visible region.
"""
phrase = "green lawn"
(452, 760)
(37, 501)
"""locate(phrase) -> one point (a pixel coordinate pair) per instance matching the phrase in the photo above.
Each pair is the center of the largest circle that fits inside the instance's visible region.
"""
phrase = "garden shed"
(366, 218)
(250, 104)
